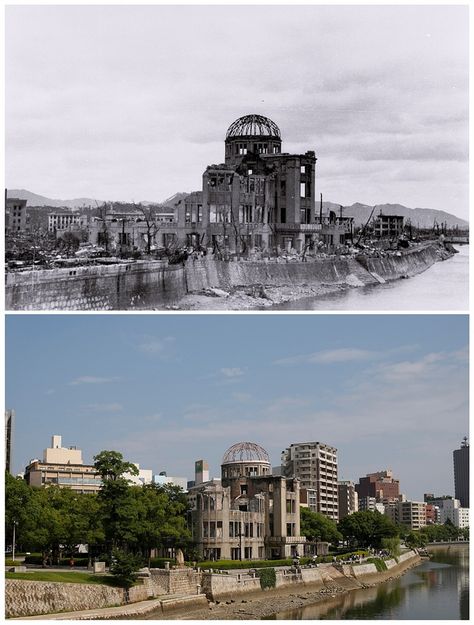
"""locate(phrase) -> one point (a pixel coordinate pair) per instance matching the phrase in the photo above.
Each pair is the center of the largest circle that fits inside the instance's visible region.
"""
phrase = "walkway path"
(164, 603)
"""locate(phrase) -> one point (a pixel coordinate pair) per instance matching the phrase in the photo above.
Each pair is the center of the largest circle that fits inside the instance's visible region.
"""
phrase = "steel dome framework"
(245, 452)
(253, 126)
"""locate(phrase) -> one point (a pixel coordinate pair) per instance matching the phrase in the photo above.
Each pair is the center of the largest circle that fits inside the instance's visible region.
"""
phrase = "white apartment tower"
(315, 465)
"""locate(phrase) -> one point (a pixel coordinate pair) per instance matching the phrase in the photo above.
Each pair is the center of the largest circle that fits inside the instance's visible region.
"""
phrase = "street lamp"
(14, 537)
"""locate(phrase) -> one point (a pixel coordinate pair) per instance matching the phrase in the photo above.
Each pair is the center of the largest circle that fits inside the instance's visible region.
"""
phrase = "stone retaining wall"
(153, 284)
(137, 285)
(25, 598)
(176, 581)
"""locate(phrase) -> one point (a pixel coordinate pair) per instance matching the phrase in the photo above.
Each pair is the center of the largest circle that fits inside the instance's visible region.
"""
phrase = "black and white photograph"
(244, 157)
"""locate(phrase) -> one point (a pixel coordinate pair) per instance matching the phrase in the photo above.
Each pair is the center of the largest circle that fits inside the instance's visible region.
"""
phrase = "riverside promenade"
(215, 595)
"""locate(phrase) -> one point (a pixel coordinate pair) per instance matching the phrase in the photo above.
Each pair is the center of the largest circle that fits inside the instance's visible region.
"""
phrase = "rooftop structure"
(249, 514)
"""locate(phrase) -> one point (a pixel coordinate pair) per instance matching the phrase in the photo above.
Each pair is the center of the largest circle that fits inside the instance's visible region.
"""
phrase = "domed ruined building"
(258, 199)
(249, 513)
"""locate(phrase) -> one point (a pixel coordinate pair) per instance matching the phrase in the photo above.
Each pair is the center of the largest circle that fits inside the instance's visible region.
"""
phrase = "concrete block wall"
(148, 284)
(409, 263)
(364, 569)
(103, 287)
(220, 586)
(207, 273)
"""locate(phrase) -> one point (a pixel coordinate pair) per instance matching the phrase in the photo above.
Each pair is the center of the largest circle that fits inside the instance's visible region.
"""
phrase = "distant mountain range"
(420, 217)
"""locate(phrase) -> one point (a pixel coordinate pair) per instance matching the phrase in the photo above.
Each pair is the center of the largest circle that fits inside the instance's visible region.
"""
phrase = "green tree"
(317, 527)
(17, 501)
(161, 518)
(118, 510)
(392, 545)
(367, 528)
(124, 567)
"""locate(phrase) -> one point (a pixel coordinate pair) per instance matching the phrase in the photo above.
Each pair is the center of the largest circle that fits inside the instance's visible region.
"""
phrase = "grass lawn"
(71, 577)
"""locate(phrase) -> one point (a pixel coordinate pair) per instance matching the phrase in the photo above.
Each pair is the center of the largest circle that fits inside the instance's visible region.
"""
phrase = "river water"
(444, 286)
(438, 589)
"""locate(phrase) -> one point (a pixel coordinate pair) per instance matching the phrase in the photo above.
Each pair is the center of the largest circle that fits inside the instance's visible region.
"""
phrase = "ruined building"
(259, 198)
(248, 513)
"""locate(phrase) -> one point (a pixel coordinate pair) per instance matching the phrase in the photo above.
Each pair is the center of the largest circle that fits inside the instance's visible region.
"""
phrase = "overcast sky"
(133, 102)
(389, 391)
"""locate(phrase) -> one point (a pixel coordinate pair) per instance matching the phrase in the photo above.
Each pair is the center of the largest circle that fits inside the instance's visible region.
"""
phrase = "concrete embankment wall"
(410, 263)
(27, 598)
(150, 284)
(221, 586)
(207, 273)
(103, 287)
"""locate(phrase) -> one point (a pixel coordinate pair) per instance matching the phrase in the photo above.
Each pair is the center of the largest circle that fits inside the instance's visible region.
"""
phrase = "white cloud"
(91, 379)
(105, 407)
(155, 345)
(232, 372)
(331, 356)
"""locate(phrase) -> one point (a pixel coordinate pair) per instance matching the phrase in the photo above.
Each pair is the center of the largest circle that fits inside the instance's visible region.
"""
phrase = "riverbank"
(264, 604)
(210, 284)
(220, 596)
(249, 285)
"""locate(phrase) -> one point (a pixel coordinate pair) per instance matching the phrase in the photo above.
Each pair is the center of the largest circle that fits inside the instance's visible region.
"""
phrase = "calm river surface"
(438, 589)
(444, 286)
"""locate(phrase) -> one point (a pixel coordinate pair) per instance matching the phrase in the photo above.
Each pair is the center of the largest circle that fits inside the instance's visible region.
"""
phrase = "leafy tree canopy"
(318, 527)
(367, 528)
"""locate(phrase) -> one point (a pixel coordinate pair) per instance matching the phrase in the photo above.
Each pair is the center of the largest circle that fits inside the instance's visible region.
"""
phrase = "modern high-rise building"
(347, 498)
(9, 421)
(315, 465)
(380, 485)
(461, 473)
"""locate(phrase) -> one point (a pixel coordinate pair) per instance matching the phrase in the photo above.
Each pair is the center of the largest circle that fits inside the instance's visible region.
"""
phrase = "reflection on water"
(444, 286)
(437, 589)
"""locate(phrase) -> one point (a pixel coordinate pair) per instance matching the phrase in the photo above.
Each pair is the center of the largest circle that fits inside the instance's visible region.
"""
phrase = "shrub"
(267, 578)
(33, 559)
(379, 563)
(10, 562)
(244, 564)
(124, 567)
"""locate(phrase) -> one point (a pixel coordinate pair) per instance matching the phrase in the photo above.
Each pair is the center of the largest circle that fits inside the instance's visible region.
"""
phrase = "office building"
(461, 473)
(315, 465)
(348, 499)
(64, 467)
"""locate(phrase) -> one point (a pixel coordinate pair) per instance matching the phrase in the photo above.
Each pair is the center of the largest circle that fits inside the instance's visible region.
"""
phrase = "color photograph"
(239, 466)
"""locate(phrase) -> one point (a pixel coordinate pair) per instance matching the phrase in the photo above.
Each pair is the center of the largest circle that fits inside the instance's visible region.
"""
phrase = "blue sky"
(389, 391)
